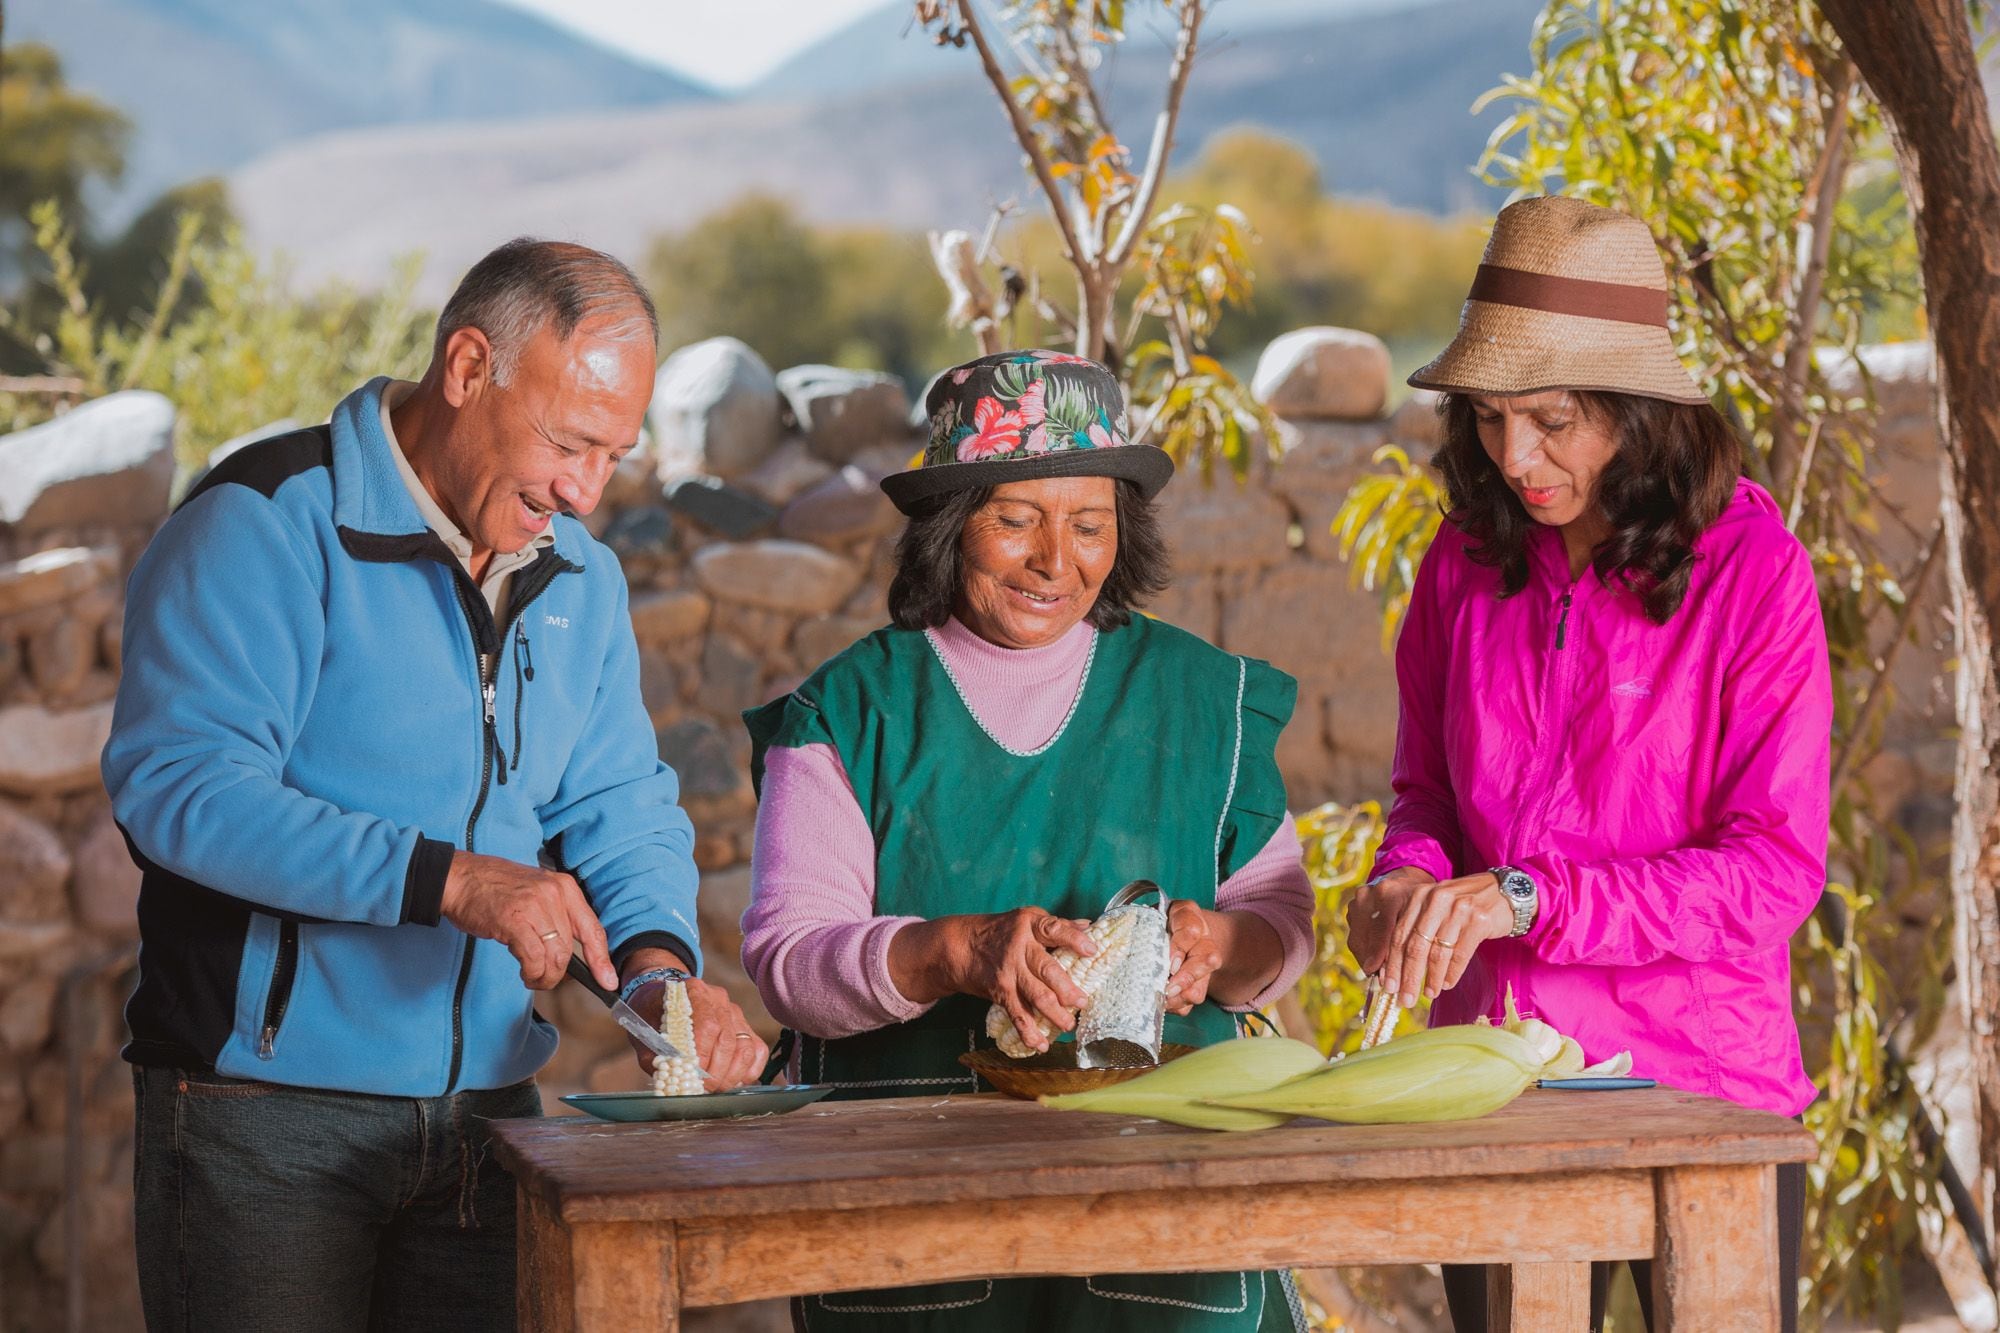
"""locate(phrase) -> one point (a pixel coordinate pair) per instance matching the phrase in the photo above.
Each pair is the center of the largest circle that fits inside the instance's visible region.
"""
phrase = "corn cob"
(680, 1077)
(1378, 1020)
(1112, 933)
(1448, 1073)
(1174, 1091)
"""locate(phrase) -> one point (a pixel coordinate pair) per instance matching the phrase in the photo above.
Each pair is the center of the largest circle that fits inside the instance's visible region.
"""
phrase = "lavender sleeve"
(812, 943)
(1272, 886)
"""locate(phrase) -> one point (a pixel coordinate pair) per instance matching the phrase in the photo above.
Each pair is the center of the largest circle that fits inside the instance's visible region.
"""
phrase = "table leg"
(594, 1277)
(1715, 1259)
(1538, 1298)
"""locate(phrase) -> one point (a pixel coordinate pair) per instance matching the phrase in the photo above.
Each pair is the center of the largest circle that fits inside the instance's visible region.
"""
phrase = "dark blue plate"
(756, 1099)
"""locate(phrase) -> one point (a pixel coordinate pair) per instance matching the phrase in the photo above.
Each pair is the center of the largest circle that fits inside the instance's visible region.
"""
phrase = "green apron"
(1164, 770)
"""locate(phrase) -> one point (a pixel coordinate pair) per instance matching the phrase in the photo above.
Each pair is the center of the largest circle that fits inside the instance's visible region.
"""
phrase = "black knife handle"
(580, 972)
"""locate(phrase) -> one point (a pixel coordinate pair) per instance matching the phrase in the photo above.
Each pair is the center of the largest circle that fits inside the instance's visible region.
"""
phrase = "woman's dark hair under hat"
(1674, 471)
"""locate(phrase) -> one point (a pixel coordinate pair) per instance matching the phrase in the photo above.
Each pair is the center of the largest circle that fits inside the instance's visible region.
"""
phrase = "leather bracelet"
(648, 977)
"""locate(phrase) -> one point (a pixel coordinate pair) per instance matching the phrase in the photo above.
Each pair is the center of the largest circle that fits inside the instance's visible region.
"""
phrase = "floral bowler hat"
(1017, 416)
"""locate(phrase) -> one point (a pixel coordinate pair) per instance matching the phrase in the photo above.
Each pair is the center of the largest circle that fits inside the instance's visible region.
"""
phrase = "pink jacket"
(1665, 785)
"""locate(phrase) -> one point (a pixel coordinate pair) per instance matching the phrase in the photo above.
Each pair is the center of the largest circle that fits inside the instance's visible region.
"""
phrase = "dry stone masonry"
(757, 544)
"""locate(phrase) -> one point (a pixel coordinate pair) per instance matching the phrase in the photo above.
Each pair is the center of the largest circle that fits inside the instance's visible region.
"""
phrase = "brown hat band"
(1569, 296)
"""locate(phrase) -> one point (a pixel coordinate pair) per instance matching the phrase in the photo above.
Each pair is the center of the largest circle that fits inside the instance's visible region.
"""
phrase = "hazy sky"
(724, 43)
(731, 43)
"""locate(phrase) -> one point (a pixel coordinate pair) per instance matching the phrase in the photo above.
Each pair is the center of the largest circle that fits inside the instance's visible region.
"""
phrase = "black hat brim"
(1146, 466)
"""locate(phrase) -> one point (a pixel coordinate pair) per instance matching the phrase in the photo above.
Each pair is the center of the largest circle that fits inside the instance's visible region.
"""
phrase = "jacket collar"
(372, 508)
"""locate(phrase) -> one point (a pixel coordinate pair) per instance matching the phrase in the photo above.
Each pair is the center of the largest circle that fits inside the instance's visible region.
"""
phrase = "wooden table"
(622, 1225)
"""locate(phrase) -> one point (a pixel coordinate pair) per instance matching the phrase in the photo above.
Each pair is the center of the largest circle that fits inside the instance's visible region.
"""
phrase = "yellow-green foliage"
(246, 353)
(1340, 843)
(1385, 525)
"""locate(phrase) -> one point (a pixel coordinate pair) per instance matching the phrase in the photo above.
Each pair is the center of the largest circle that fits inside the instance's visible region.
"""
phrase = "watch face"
(1518, 885)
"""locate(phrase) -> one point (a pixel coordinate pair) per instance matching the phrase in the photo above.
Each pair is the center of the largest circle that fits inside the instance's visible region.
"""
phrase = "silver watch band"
(1524, 905)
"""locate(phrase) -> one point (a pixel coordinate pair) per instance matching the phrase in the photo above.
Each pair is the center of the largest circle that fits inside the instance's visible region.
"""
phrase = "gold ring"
(743, 1036)
(551, 934)
(1427, 939)
(1449, 944)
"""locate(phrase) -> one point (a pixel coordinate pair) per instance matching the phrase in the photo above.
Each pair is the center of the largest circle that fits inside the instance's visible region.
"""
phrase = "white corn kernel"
(680, 1077)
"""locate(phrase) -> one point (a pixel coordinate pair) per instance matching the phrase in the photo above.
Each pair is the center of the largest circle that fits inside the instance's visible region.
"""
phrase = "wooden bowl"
(1053, 1071)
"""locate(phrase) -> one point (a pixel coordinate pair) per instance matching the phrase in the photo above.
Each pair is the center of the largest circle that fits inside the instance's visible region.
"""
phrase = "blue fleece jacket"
(316, 709)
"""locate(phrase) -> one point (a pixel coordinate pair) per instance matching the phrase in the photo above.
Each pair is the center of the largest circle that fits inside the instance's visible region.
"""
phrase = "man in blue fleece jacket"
(380, 752)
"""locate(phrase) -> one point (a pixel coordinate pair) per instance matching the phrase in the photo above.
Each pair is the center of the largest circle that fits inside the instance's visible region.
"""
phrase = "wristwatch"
(1519, 890)
(647, 978)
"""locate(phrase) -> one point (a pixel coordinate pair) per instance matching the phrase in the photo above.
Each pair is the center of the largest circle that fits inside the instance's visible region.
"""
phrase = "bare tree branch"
(1025, 133)
(1871, 702)
(1829, 177)
(1072, 63)
(1191, 14)
(55, 386)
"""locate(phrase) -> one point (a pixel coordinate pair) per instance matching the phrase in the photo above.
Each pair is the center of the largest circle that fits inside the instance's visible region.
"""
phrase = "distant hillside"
(885, 44)
(1381, 100)
(213, 83)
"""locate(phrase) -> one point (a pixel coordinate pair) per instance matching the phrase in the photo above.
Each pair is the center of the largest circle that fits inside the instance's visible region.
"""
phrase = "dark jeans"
(268, 1207)
(1465, 1284)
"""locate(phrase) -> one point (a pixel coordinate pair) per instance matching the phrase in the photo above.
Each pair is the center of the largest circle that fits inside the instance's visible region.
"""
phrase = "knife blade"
(626, 1016)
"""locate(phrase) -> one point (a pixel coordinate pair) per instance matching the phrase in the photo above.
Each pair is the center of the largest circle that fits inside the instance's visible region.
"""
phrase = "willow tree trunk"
(1918, 58)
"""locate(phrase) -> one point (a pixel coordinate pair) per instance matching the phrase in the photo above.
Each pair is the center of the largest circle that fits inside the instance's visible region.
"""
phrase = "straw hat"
(1018, 416)
(1568, 296)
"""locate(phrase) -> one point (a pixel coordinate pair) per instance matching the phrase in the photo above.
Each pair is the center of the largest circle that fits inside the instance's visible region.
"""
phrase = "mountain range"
(1381, 100)
(354, 131)
(210, 84)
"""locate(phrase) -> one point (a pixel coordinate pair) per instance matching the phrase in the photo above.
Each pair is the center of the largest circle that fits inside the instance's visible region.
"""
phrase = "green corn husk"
(1449, 1073)
(1176, 1091)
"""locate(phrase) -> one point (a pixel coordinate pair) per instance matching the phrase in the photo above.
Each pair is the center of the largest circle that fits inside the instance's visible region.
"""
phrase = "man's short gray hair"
(527, 283)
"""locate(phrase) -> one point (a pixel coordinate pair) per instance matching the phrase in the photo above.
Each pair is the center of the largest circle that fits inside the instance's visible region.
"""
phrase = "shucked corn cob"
(678, 1077)
(1112, 933)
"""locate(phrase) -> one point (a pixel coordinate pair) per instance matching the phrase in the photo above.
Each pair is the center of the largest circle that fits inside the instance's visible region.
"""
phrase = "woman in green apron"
(951, 799)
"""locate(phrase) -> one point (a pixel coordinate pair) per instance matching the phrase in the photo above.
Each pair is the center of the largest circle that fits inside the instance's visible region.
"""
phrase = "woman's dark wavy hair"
(1675, 468)
(928, 573)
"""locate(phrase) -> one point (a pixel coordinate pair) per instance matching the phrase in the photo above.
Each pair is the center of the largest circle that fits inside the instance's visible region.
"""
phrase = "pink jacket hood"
(1665, 785)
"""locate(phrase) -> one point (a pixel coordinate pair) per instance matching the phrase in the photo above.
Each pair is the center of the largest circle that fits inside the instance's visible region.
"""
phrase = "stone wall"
(757, 544)
(79, 499)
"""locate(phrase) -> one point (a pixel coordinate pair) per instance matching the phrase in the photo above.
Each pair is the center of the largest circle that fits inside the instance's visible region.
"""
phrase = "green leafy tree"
(1325, 260)
(856, 296)
(242, 354)
(752, 271)
(57, 142)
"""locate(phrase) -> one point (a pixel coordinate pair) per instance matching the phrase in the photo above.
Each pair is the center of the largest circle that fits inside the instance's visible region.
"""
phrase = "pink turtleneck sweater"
(812, 940)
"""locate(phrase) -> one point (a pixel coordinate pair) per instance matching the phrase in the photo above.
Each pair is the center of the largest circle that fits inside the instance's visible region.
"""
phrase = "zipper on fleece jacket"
(474, 605)
(284, 969)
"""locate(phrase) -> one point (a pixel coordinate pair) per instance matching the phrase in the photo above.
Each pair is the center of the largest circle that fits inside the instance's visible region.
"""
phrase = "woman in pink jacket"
(1612, 759)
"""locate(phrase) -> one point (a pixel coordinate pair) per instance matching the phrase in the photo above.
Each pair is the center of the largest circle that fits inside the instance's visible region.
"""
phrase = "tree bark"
(1918, 58)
